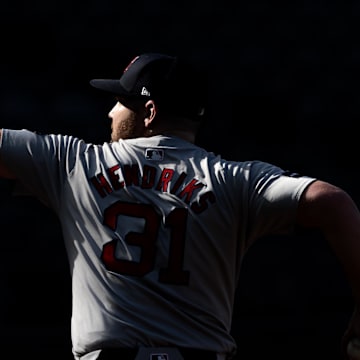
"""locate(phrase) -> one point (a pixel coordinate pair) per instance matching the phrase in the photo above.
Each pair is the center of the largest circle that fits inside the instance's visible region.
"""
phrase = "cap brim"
(109, 85)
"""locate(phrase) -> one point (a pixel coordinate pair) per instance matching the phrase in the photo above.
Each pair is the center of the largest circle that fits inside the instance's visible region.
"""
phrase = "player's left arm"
(4, 170)
(332, 210)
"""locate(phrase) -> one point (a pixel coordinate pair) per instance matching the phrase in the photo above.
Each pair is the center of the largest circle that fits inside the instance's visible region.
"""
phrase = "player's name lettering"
(129, 175)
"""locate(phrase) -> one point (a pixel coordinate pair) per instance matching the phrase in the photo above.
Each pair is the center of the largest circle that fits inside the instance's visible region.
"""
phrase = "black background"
(284, 88)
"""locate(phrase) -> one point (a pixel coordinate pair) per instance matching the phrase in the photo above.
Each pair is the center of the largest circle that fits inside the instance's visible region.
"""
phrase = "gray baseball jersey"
(155, 231)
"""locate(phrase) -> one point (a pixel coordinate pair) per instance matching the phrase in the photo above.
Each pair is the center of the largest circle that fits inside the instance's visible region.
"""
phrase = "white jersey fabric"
(155, 230)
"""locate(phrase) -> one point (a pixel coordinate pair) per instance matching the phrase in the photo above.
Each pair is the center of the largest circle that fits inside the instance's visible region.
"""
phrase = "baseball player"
(156, 227)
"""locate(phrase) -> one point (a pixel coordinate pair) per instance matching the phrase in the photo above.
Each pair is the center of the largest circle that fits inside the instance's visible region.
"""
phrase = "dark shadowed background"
(284, 88)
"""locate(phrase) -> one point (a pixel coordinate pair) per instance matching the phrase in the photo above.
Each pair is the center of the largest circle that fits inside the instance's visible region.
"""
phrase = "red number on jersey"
(146, 241)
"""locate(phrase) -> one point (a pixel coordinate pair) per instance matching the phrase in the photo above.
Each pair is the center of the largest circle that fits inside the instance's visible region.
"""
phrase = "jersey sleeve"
(41, 163)
(272, 196)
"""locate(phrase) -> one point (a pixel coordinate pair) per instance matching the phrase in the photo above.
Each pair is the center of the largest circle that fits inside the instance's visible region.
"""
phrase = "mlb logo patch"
(159, 356)
(158, 353)
(154, 154)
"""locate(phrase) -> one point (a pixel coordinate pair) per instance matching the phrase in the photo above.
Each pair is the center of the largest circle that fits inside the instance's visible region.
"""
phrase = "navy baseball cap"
(162, 78)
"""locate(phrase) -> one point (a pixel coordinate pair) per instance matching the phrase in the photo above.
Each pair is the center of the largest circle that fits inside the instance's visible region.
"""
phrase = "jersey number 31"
(146, 240)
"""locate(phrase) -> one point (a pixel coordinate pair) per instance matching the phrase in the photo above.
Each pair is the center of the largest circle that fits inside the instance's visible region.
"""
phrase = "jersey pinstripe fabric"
(155, 231)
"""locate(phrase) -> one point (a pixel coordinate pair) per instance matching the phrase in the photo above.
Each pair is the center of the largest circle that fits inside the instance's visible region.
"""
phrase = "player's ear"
(150, 112)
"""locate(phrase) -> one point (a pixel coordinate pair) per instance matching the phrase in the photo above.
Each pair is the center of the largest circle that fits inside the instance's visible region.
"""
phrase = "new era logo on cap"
(145, 91)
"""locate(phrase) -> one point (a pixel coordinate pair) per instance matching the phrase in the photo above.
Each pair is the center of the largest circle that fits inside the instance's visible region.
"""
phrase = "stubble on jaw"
(128, 128)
